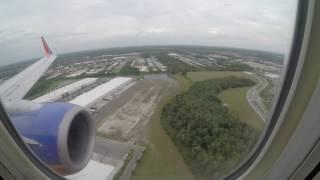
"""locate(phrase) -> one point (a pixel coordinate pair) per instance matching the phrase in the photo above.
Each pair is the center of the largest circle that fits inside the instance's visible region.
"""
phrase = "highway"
(254, 99)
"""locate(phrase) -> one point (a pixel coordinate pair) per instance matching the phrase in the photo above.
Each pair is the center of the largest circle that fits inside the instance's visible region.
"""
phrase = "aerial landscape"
(165, 112)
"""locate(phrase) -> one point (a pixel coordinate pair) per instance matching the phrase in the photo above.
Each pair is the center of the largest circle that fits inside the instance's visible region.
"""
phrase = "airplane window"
(143, 89)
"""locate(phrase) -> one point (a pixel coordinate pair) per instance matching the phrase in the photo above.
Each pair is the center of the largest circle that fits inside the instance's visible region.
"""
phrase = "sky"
(75, 25)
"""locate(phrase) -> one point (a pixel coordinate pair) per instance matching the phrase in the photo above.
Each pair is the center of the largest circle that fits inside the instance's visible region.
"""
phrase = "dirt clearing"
(128, 121)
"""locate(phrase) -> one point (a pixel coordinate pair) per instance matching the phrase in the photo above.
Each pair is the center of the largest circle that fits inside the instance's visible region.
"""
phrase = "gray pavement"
(110, 148)
(254, 99)
(114, 153)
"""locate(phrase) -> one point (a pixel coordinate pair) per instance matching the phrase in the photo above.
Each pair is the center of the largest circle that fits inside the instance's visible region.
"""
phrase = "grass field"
(239, 107)
(162, 159)
(184, 82)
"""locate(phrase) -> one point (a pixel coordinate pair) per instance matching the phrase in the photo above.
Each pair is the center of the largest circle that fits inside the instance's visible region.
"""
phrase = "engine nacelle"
(61, 134)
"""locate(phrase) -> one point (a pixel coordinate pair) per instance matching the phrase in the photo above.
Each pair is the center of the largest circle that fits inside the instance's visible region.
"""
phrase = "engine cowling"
(61, 134)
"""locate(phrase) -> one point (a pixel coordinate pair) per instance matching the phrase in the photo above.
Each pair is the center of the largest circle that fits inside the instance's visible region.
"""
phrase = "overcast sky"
(72, 25)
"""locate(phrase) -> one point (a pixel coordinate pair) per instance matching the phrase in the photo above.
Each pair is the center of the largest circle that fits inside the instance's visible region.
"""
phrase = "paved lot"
(110, 148)
(114, 153)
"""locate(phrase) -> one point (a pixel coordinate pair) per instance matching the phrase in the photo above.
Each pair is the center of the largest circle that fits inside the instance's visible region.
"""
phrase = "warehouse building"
(59, 93)
(91, 96)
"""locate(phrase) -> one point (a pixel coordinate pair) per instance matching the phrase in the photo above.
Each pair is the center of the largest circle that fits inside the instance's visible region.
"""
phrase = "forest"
(175, 66)
(210, 139)
(127, 70)
(234, 66)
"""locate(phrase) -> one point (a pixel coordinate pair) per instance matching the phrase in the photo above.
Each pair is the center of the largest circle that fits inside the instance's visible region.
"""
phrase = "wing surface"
(18, 86)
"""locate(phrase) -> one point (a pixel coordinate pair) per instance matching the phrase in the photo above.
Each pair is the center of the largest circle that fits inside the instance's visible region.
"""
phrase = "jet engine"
(62, 135)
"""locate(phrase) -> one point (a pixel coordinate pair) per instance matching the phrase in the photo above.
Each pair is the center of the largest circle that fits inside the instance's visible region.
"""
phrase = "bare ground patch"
(128, 121)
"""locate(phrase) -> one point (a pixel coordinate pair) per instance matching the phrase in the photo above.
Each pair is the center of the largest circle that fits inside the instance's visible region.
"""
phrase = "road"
(113, 153)
(254, 98)
(128, 169)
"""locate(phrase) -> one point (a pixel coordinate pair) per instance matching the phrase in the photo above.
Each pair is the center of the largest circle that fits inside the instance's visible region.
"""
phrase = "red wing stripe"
(46, 47)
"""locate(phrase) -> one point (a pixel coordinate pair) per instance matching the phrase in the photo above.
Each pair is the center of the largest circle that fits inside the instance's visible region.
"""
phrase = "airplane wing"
(48, 129)
(18, 86)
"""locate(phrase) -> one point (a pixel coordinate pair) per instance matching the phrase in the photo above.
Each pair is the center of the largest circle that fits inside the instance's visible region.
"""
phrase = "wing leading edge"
(18, 86)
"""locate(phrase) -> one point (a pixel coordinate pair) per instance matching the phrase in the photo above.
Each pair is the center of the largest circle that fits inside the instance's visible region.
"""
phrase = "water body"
(162, 76)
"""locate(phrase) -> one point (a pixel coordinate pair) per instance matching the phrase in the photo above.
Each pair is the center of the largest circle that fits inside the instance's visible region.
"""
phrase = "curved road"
(254, 99)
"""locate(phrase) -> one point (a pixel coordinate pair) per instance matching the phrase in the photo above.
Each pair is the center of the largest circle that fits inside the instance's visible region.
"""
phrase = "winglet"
(46, 47)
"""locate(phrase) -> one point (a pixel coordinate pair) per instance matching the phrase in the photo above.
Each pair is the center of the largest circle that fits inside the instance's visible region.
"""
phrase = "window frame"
(279, 105)
(290, 74)
(5, 120)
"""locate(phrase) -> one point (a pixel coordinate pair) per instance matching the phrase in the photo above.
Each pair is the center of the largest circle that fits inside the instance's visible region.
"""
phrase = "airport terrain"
(126, 90)
(162, 159)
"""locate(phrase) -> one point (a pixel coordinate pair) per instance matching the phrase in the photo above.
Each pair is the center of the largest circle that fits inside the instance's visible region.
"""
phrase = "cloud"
(155, 29)
(215, 32)
(86, 24)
